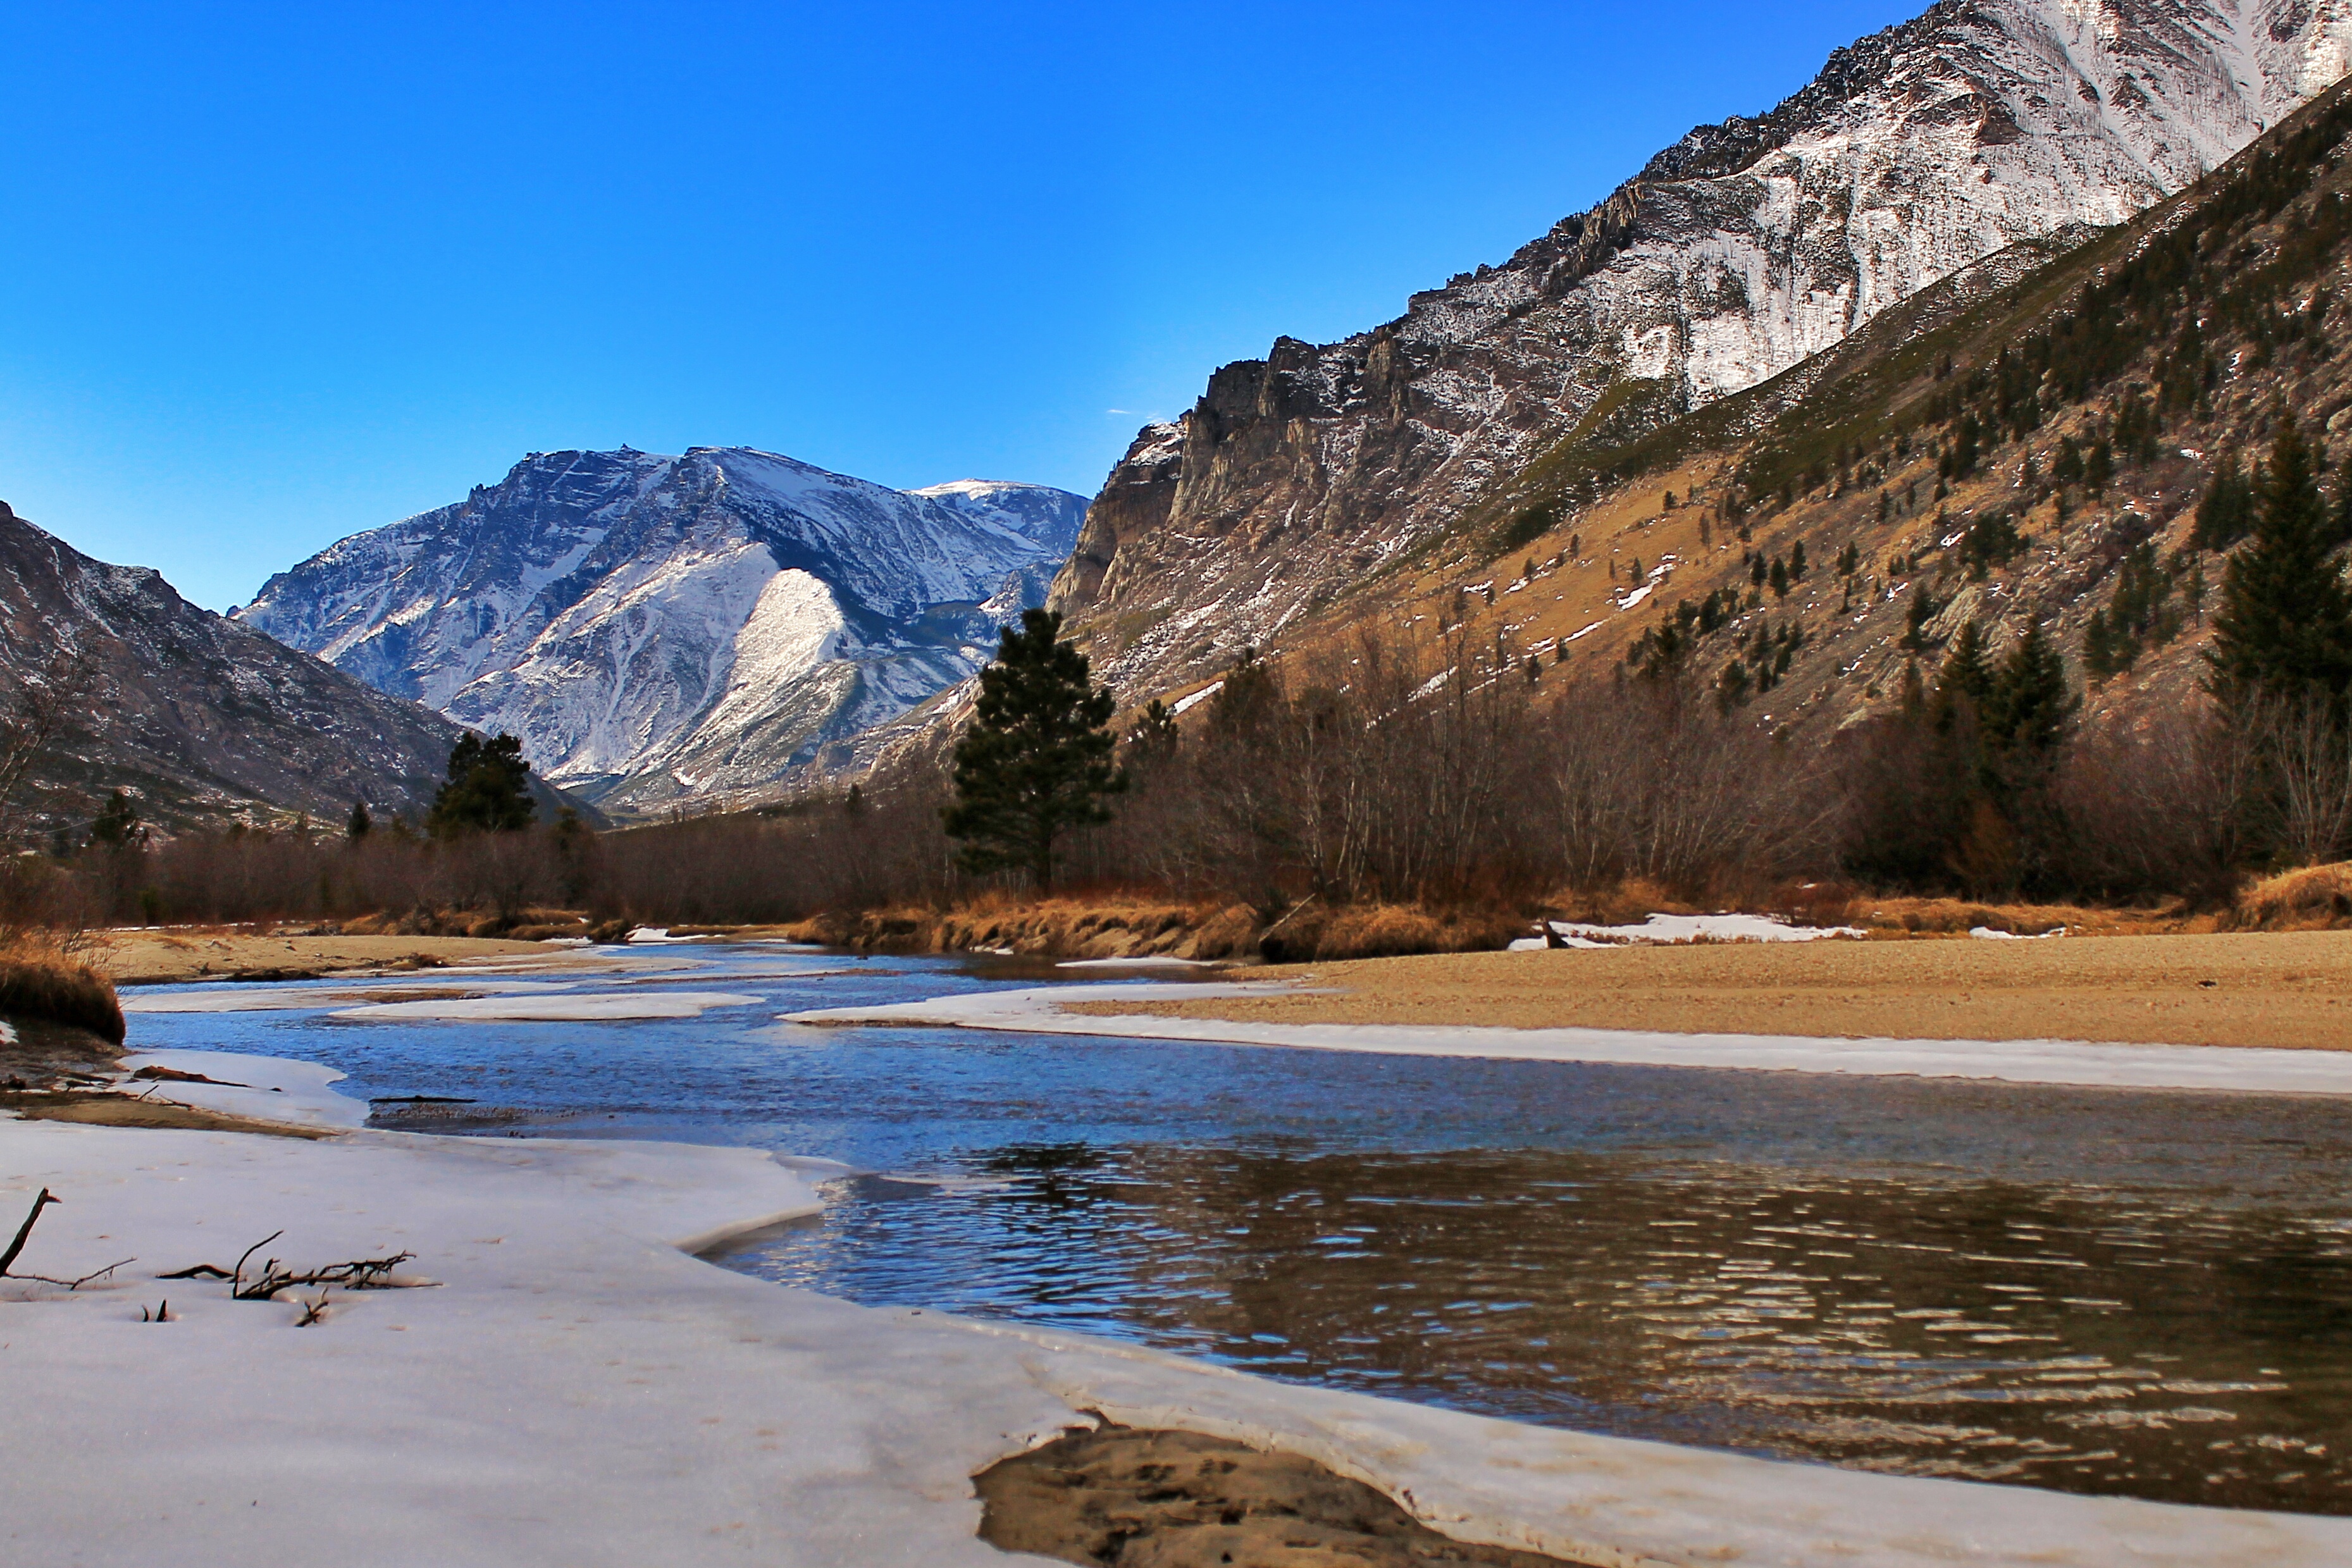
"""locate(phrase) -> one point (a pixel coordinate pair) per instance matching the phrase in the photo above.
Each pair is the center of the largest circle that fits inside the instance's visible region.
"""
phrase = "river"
(2128, 1293)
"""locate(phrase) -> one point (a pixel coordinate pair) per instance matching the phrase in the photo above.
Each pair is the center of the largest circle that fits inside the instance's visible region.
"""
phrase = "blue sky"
(272, 276)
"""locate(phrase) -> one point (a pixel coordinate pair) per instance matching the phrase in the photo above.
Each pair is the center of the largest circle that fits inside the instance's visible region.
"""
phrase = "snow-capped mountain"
(656, 627)
(1733, 256)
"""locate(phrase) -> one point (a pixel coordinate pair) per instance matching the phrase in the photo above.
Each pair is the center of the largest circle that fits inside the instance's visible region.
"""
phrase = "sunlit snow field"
(2109, 1291)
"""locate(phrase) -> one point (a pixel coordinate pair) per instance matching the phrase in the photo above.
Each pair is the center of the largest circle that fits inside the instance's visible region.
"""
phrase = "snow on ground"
(268, 1087)
(2015, 1060)
(577, 1390)
(1667, 928)
(595, 1007)
(1987, 934)
(645, 936)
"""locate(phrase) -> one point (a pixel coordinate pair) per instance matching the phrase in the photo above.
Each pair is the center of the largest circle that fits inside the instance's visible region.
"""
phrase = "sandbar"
(2274, 990)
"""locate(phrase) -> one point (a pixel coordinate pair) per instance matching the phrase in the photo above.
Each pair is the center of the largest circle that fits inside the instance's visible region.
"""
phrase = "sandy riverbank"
(574, 1388)
(2290, 989)
(167, 957)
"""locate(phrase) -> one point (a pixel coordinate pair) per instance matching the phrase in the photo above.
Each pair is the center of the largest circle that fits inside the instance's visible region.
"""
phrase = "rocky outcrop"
(662, 628)
(1741, 251)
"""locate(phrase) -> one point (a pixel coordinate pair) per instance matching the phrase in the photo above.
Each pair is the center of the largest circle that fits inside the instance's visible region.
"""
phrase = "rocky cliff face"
(197, 716)
(1735, 254)
(660, 627)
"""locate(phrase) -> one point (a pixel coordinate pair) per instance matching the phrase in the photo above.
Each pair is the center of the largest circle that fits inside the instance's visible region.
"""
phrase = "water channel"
(2126, 1293)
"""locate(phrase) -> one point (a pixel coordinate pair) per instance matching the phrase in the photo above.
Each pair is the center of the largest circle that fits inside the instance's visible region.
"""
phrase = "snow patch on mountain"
(654, 626)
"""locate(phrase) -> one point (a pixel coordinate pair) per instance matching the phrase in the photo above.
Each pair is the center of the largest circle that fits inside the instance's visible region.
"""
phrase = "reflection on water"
(2082, 1340)
(2110, 1292)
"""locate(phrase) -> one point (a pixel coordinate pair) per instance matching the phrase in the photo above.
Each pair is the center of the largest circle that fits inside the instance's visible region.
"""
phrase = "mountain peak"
(656, 626)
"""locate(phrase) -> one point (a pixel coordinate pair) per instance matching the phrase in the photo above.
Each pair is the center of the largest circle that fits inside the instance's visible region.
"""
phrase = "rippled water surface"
(2112, 1292)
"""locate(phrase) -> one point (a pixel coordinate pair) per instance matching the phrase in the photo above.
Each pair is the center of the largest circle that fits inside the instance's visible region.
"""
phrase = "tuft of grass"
(1386, 931)
(40, 979)
(2308, 898)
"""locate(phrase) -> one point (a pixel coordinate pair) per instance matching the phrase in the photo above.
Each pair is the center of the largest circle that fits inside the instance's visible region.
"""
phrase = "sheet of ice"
(269, 1087)
(1149, 961)
(577, 1390)
(1717, 927)
(278, 998)
(2082, 1062)
(594, 1006)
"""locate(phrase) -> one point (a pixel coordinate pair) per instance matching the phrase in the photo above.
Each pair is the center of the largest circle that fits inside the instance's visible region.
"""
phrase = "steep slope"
(2048, 454)
(656, 627)
(1741, 251)
(197, 716)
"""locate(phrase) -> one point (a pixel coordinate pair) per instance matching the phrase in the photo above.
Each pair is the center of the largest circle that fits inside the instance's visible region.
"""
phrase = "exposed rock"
(1739, 252)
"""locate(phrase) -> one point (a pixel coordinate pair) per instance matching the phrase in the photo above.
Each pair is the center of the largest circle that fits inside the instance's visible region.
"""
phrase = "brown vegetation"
(41, 980)
(2313, 898)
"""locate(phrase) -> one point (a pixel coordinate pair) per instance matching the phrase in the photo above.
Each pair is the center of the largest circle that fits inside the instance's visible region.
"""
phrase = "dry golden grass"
(1113, 927)
(42, 977)
(1385, 931)
(1074, 927)
(2310, 898)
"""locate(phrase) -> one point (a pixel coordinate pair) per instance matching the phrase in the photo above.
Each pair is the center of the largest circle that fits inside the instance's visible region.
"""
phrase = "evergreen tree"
(488, 789)
(117, 823)
(2027, 707)
(1154, 739)
(2285, 625)
(359, 824)
(2227, 510)
(1967, 673)
(1036, 761)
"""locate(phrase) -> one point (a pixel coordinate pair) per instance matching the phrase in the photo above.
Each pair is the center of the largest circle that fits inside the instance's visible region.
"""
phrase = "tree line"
(1414, 767)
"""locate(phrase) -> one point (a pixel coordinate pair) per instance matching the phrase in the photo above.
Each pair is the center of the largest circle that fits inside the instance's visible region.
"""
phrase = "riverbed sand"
(166, 956)
(2259, 989)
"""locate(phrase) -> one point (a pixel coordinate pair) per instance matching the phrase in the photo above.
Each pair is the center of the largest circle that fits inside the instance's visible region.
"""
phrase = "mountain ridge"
(1735, 254)
(657, 628)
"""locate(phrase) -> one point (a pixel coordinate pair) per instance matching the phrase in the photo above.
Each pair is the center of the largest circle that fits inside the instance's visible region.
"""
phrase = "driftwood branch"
(358, 1274)
(8, 1259)
(26, 1230)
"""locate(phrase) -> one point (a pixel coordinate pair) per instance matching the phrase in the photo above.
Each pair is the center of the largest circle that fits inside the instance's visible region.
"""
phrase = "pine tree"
(1153, 738)
(2285, 625)
(1966, 671)
(1036, 761)
(2028, 706)
(117, 823)
(358, 825)
(488, 789)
